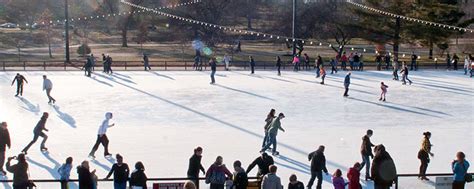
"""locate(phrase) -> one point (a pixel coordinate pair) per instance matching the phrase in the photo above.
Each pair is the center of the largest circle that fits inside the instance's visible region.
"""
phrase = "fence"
(163, 65)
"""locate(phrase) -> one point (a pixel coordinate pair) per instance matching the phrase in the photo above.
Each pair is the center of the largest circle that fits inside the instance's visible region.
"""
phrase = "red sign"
(174, 185)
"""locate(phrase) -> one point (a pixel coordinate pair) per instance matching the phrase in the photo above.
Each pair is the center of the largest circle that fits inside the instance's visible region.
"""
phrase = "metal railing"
(417, 175)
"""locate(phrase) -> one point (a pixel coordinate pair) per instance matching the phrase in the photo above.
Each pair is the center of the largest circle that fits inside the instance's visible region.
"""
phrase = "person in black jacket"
(4, 143)
(383, 169)
(318, 165)
(263, 162)
(213, 64)
(294, 183)
(278, 65)
(19, 83)
(20, 171)
(366, 152)
(240, 179)
(88, 67)
(138, 177)
(195, 166)
(121, 173)
(252, 65)
(85, 176)
(38, 132)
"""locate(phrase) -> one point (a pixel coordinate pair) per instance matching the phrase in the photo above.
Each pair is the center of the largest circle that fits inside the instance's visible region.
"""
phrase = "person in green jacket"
(272, 132)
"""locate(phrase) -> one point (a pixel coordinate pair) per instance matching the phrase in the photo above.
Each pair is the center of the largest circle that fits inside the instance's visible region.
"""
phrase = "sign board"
(444, 183)
(170, 185)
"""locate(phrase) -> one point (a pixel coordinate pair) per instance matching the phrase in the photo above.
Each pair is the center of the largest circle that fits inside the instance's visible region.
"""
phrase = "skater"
(395, 66)
(104, 63)
(354, 176)
(65, 172)
(366, 151)
(93, 61)
(294, 183)
(306, 61)
(356, 61)
(121, 173)
(424, 155)
(88, 67)
(323, 75)
(138, 178)
(109, 65)
(448, 62)
(268, 122)
(227, 62)
(318, 166)
(404, 73)
(195, 166)
(19, 83)
(296, 63)
(216, 174)
(383, 87)
(387, 61)
(337, 180)
(278, 65)
(252, 65)
(460, 168)
(197, 60)
(383, 169)
(213, 65)
(472, 67)
(102, 136)
(344, 61)
(263, 162)
(466, 64)
(455, 61)
(146, 62)
(413, 65)
(271, 180)
(272, 133)
(333, 66)
(351, 61)
(240, 180)
(378, 62)
(86, 177)
(4, 143)
(361, 62)
(20, 172)
(319, 64)
(48, 86)
(38, 132)
(347, 83)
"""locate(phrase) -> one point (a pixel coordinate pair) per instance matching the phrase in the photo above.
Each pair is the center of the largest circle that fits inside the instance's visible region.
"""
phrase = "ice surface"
(161, 116)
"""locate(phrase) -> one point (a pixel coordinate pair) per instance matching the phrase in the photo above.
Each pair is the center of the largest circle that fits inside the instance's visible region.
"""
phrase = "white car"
(8, 25)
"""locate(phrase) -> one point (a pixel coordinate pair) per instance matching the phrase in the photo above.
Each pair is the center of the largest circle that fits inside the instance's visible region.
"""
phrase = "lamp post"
(66, 28)
(294, 28)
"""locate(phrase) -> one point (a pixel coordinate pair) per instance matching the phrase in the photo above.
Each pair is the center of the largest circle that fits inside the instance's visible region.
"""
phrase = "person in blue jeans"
(213, 65)
(272, 133)
(460, 168)
(318, 166)
(366, 152)
(268, 123)
(121, 172)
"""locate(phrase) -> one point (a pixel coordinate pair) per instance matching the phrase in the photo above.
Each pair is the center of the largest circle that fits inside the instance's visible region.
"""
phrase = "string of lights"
(434, 24)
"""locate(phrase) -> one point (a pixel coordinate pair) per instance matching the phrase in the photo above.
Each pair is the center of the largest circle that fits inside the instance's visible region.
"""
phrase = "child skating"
(383, 87)
(322, 72)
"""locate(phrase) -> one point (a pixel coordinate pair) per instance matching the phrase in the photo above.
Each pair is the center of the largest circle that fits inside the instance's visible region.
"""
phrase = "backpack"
(216, 177)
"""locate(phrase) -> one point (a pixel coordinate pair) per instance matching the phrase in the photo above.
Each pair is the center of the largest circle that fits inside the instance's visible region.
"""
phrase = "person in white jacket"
(227, 62)
(271, 180)
(102, 136)
(48, 86)
(467, 64)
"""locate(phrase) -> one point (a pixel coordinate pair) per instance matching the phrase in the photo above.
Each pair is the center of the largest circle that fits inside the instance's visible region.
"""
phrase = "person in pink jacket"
(337, 180)
(296, 62)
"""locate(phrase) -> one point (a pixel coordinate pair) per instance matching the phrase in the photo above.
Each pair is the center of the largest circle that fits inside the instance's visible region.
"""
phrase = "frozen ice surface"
(161, 116)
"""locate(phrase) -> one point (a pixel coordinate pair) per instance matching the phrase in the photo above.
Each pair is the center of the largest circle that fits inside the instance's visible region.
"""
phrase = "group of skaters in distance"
(378, 164)
(90, 64)
(47, 86)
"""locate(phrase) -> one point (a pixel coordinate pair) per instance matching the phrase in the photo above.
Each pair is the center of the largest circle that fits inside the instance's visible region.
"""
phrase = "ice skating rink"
(161, 116)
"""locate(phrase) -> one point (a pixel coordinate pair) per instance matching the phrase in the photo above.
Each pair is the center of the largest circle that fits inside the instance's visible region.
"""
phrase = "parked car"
(8, 25)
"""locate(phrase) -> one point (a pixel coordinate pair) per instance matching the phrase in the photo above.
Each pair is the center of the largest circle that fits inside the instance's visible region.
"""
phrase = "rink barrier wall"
(174, 65)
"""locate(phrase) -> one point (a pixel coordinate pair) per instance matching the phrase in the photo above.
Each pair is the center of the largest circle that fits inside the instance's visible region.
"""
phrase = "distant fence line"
(169, 65)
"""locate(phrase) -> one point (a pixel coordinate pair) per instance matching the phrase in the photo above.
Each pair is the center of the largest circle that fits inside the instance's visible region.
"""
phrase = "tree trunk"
(249, 21)
(49, 44)
(124, 36)
(396, 41)
(431, 51)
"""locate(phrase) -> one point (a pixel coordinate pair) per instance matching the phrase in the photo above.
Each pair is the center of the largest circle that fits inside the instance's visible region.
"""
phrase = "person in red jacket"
(353, 175)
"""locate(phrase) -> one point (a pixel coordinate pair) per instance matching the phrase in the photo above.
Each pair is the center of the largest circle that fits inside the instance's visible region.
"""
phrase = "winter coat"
(4, 139)
(275, 126)
(195, 165)
(20, 173)
(318, 161)
(338, 183)
(213, 65)
(121, 172)
(347, 81)
(383, 169)
(322, 72)
(263, 165)
(425, 150)
(466, 63)
(459, 170)
(47, 84)
(356, 58)
(240, 179)
(138, 178)
(366, 147)
(354, 178)
(105, 124)
(217, 169)
(384, 88)
(271, 181)
(344, 58)
(85, 178)
(40, 126)
(19, 79)
(65, 171)
(297, 185)
(268, 122)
